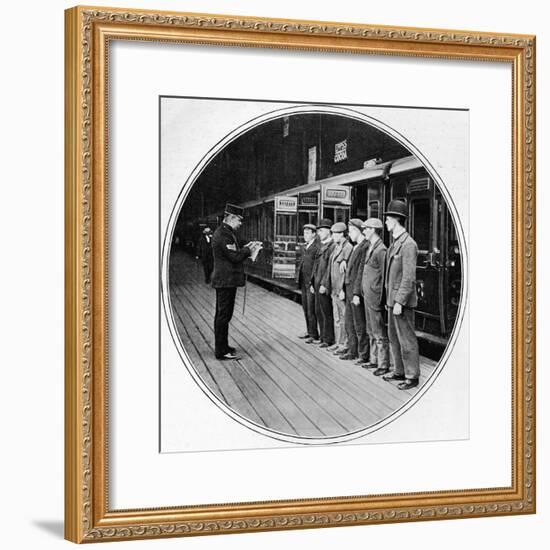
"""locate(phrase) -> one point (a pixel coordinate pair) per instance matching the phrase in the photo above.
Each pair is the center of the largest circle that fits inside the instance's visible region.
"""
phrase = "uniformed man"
(323, 300)
(229, 256)
(373, 294)
(204, 253)
(401, 298)
(303, 278)
(358, 344)
(334, 283)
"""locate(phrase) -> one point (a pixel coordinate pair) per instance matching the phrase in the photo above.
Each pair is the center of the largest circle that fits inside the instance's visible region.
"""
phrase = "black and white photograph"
(314, 270)
(291, 262)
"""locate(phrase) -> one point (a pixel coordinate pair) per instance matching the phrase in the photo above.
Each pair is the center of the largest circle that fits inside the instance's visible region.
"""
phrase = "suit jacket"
(305, 267)
(354, 272)
(229, 257)
(321, 265)
(373, 275)
(204, 249)
(334, 279)
(401, 271)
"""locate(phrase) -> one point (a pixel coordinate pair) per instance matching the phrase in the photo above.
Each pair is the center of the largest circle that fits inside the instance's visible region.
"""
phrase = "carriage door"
(284, 242)
(452, 261)
(423, 223)
(335, 203)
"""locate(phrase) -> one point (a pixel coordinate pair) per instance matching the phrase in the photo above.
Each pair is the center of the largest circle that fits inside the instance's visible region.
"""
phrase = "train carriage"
(277, 221)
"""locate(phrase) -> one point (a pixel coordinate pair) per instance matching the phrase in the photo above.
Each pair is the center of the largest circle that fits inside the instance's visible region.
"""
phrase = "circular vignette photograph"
(314, 267)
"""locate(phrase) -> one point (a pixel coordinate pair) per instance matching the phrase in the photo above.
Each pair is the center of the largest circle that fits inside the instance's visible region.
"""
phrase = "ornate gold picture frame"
(89, 32)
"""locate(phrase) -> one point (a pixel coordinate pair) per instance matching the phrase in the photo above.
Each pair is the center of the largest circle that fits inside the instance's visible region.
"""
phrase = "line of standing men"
(347, 283)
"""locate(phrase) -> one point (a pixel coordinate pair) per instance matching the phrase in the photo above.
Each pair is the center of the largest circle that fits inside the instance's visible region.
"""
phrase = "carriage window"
(341, 215)
(399, 190)
(286, 226)
(374, 209)
(304, 217)
(328, 212)
(421, 223)
(336, 214)
(268, 227)
(361, 200)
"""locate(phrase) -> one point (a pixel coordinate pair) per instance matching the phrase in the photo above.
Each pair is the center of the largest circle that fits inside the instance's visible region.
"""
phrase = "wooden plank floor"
(279, 382)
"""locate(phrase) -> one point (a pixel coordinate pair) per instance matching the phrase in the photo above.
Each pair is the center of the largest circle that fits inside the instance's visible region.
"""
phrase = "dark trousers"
(208, 267)
(308, 305)
(403, 343)
(358, 341)
(323, 308)
(225, 303)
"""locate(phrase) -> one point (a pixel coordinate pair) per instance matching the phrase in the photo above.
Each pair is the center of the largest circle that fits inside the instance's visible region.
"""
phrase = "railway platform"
(279, 382)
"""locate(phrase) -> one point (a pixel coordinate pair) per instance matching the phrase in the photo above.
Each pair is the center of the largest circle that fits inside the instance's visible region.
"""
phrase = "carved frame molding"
(88, 32)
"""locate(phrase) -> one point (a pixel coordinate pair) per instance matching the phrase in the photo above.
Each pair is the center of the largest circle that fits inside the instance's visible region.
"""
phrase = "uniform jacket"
(334, 279)
(305, 267)
(354, 272)
(321, 265)
(229, 257)
(204, 249)
(401, 271)
(373, 275)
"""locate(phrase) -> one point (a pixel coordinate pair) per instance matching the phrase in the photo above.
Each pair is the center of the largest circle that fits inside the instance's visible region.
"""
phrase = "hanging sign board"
(286, 204)
(336, 194)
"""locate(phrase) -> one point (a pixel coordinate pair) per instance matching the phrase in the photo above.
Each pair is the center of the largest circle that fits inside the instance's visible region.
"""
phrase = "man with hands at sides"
(321, 267)
(303, 278)
(401, 298)
(333, 284)
(373, 297)
(358, 344)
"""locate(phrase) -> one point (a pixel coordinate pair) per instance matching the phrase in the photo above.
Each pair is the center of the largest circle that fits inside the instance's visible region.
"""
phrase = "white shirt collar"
(399, 233)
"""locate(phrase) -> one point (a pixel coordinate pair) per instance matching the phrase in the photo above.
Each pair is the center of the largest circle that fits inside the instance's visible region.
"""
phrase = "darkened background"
(264, 160)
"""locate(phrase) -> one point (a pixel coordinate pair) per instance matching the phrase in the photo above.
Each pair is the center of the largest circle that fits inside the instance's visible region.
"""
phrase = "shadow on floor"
(53, 527)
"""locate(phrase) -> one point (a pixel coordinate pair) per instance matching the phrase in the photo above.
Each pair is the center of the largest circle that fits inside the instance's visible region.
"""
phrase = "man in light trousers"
(334, 285)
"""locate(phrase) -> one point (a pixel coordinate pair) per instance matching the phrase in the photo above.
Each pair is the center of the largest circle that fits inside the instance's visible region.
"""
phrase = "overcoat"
(321, 265)
(354, 272)
(334, 278)
(305, 265)
(204, 249)
(401, 272)
(373, 275)
(229, 256)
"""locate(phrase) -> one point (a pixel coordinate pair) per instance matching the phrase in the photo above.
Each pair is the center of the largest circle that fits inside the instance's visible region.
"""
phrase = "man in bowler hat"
(204, 253)
(303, 278)
(358, 344)
(373, 295)
(228, 274)
(401, 298)
(320, 272)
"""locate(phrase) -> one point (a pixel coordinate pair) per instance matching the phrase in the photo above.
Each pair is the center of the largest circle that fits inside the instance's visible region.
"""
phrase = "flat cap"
(375, 223)
(235, 210)
(311, 226)
(325, 222)
(356, 222)
(338, 227)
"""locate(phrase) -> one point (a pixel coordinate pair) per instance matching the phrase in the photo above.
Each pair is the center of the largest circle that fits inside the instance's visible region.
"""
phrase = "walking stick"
(244, 295)
(246, 282)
